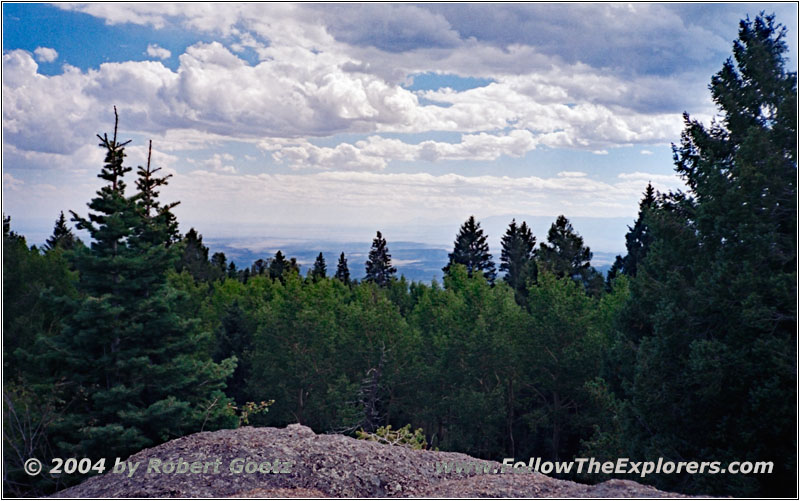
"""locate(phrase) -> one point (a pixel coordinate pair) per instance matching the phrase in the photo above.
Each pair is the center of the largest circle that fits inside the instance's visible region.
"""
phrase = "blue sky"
(276, 119)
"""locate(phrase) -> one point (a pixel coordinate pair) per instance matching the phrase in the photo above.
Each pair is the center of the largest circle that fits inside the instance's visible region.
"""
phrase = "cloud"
(45, 54)
(220, 162)
(400, 197)
(153, 50)
(646, 152)
(375, 152)
(12, 183)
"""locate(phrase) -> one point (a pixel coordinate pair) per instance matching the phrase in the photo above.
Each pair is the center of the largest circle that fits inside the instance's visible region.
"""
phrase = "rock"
(300, 463)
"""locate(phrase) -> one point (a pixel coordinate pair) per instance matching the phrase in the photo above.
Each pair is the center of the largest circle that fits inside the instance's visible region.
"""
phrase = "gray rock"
(323, 466)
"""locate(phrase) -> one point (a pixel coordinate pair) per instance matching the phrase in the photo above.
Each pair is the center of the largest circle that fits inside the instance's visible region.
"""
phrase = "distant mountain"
(416, 261)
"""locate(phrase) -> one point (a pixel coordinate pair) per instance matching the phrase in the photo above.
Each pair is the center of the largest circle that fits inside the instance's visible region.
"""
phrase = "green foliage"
(403, 437)
(126, 363)
(379, 267)
(517, 259)
(712, 317)
(564, 255)
(320, 270)
(248, 409)
(687, 353)
(472, 251)
(342, 271)
(62, 237)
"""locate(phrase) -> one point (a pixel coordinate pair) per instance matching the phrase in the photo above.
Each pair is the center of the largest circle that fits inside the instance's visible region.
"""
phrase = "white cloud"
(600, 152)
(309, 84)
(153, 50)
(376, 152)
(380, 198)
(220, 162)
(646, 152)
(571, 174)
(12, 183)
(45, 54)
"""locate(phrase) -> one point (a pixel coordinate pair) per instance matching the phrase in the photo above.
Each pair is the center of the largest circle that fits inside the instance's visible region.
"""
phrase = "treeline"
(686, 351)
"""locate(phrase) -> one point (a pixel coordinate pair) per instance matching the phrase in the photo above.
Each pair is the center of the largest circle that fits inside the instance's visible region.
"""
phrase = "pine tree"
(379, 267)
(220, 265)
(320, 270)
(127, 362)
(195, 257)
(638, 238)
(261, 266)
(62, 237)
(342, 272)
(234, 339)
(516, 258)
(472, 250)
(232, 273)
(160, 226)
(279, 266)
(714, 304)
(564, 255)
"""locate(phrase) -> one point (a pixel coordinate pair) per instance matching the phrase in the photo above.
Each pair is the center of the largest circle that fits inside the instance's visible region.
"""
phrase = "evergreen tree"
(320, 270)
(220, 265)
(261, 266)
(234, 339)
(342, 272)
(232, 273)
(379, 265)
(472, 250)
(159, 225)
(127, 362)
(279, 266)
(564, 255)
(516, 258)
(714, 304)
(62, 237)
(195, 257)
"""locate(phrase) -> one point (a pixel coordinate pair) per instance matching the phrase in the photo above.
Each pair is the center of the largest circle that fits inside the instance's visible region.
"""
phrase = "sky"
(295, 122)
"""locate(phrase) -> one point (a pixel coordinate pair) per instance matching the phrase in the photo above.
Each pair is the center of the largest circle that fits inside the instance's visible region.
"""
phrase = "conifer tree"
(127, 361)
(342, 271)
(379, 267)
(320, 270)
(62, 237)
(279, 266)
(714, 304)
(564, 254)
(220, 265)
(159, 224)
(261, 266)
(472, 250)
(232, 273)
(516, 258)
(194, 258)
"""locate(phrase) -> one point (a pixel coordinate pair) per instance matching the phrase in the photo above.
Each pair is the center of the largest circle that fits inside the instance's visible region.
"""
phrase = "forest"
(685, 351)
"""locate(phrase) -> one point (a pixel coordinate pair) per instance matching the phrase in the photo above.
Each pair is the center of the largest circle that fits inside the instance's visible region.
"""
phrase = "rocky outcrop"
(296, 462)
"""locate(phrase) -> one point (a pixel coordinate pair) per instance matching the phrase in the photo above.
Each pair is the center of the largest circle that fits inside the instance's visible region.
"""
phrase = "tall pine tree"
(342, 271)
(319, 271)
(472, 250)
(564, 255)
(517, 258)
(62, 237)
(379, 265)
(131, 375)
(715, 300)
